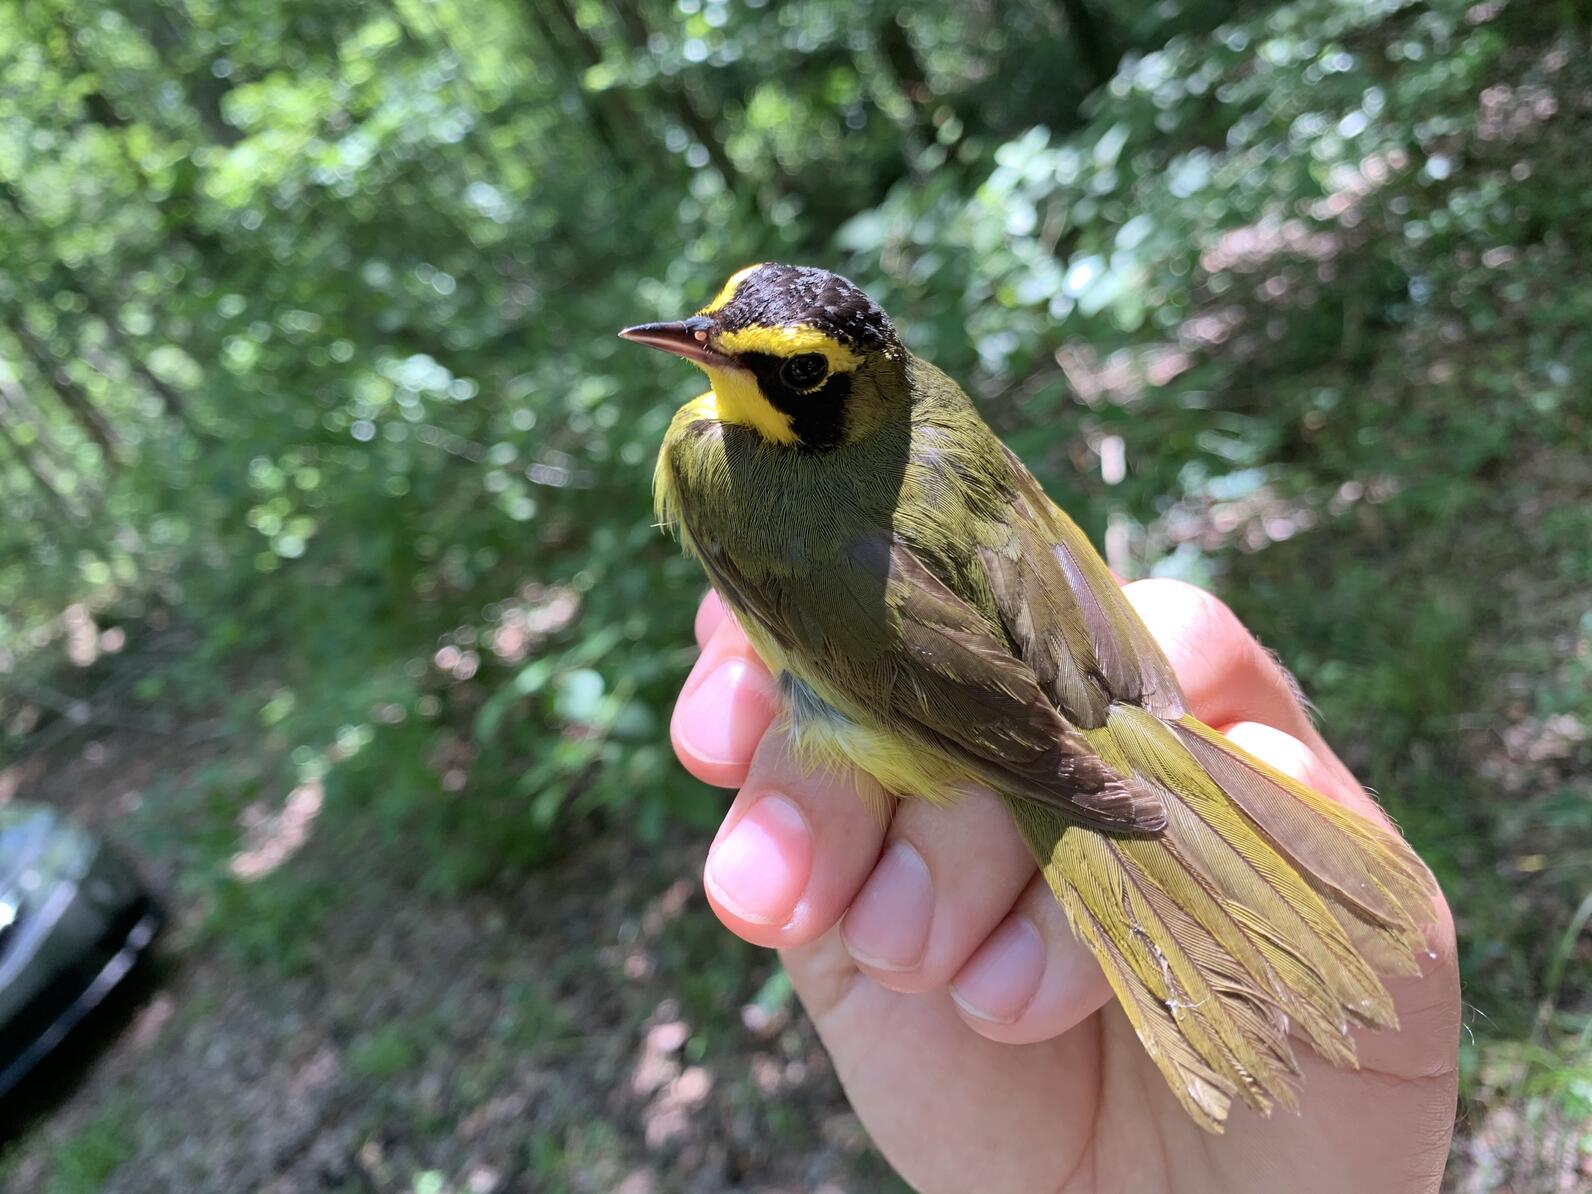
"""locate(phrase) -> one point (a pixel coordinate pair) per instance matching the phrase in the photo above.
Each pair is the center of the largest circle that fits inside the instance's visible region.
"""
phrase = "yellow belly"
(851, 737)
(901, 768)
(836, 736)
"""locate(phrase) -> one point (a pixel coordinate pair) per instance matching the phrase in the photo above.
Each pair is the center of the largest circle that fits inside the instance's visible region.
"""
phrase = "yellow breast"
(848, 738)
(838, 737)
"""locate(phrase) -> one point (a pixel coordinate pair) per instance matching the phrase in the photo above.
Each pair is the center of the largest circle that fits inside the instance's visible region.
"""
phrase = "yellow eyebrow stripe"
(787, 342)
(727, 292)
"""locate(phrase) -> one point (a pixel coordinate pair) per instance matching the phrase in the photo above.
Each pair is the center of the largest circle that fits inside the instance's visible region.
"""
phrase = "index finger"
(1226, 674)
(710, 616)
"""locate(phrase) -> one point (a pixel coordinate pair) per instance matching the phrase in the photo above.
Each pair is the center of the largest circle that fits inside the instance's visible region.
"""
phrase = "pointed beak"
(686, 338)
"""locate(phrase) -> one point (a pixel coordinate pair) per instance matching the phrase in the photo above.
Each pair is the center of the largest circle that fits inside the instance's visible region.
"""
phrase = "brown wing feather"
(881, 629)
(1069, 619)
(962, 679)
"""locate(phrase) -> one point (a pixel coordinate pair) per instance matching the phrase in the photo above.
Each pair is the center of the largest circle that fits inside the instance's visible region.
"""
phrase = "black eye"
(805, 371)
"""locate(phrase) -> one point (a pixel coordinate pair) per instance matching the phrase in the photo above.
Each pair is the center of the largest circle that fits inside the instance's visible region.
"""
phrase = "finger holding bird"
(1228, 671)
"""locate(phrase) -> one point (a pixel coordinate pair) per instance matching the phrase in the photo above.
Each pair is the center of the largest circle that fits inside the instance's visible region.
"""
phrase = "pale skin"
(977, 1040)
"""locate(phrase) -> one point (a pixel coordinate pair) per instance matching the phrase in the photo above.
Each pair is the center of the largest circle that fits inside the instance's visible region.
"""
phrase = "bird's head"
(799, 355)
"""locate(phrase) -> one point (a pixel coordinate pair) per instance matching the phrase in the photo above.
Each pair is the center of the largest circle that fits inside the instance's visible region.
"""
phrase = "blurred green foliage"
(309, 346)
(96, 1152)
(313, 423)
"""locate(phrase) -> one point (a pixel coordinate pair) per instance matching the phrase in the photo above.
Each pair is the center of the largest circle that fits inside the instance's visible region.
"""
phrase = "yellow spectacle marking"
(788, 342)
(722, 298)
(739, 399)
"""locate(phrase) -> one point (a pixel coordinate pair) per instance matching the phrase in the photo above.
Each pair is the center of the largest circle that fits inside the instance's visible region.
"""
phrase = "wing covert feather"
(881, 629)
(1068, 616)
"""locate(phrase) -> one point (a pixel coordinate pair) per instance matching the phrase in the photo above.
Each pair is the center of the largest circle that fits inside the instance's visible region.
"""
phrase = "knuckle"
(1183, 607)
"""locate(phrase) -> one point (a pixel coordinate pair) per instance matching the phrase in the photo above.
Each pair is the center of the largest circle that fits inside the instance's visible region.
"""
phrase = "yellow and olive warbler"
(935, 620)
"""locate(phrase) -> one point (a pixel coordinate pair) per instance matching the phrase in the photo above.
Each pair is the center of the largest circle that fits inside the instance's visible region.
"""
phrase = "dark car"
(74, 918)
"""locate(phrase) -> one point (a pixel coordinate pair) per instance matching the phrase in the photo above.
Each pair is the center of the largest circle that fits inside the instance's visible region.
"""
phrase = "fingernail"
(723, 718)
(1001, 979)
(759, 869)
(888, 924)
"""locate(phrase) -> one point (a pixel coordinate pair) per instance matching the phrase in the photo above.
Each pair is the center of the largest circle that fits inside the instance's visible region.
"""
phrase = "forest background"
(328, 589)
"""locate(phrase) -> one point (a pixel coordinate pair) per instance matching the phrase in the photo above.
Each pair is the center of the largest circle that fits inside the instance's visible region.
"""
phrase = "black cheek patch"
(818, 417)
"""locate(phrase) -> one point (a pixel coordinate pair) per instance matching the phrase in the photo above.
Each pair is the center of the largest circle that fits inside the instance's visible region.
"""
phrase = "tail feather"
(1291, 981)
(1263, 907)
(1223, 846)
(1178, 961)
(1204, 1093)
(1365, 871)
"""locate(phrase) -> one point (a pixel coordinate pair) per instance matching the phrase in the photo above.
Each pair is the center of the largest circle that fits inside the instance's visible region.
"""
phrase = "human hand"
(926, 947)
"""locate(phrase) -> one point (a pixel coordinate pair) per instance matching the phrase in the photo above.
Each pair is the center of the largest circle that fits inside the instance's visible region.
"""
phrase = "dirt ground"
(564, 1033)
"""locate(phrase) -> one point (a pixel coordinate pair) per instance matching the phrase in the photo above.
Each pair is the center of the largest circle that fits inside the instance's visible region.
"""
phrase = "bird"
(933, 619)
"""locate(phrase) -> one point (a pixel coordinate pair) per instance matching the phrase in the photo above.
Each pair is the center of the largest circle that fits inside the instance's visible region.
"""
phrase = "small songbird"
(936, 621)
